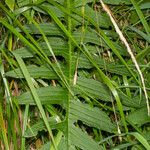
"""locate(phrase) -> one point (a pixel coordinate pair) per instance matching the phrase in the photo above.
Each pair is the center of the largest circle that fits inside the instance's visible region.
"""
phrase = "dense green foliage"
(67, 81)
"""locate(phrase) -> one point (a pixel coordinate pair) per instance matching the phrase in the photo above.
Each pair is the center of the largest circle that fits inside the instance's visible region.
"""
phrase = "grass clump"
(67, 81)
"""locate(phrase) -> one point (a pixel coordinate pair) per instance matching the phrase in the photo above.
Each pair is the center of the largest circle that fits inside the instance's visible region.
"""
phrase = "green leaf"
(141, 16)
(113, 2)
(92, 88)
(101, 18)
(58, 45)
(78, 139)
(10, 4)
(48, 29)
(142, 34)
(57, 11)
(96, 90)
(35, 95)
(139, 117)
(117, 2)
(23, 2)
(143, 53)
(145, 4)
(142, 140)
(93, 117)
(62, 145)
(33, 130)
(48, 73)
(133, 102)
(35, 72)
(82, 140)
(47, 95)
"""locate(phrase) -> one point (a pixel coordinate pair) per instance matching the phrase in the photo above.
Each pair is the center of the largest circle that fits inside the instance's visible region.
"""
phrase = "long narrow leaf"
(141, 16)
(35, 95)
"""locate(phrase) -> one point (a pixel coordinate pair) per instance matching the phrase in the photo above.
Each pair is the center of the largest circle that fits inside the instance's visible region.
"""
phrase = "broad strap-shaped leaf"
(116, 2)
(78, 139)
(81, 140)
(10, 4)
(142, 34)
(47, 95)
(92, 37)
(145, 137)
(47, 28)
(89, 36)
(58, 45)
(35, 72)
(62, 145)
(54, 123)
(92, 88)
(23, 2)
(109, 67)
(101, 18)
(48, 73)
(134, 102)
(96, 90)
(93, 117)
(139, 117)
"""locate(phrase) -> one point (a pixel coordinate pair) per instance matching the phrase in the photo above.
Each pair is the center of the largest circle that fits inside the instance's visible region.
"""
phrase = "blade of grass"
(7, 92)
(35, 95)
(57, 139)
(2, 122)
(143, 53)
(141, 16)
(142, 34)
(141, 139)
(69, 24)
(138, 136)
(3, 128)
(25, 119)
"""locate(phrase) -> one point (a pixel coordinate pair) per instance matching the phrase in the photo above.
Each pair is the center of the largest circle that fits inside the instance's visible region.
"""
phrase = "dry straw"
(122, 38)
